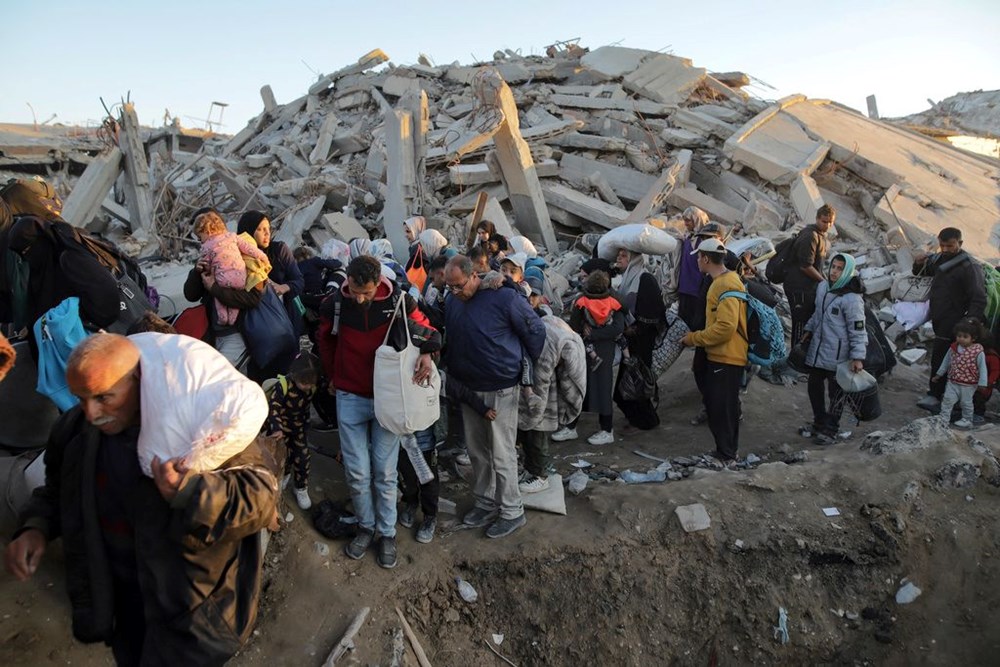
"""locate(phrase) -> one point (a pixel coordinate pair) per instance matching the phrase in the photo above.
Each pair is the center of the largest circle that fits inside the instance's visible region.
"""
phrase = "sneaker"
(504, 527)
(357, 547)
(962, 423)
(323, 427)
(564, 434)
(824, 440)
(978, 420)
(463, 459)
(407, 516)
(303, 499)
(426, 532)
(387, 552)
(532, 484)
(477, 518)
(700, 418)
(602, 438)
(284, 481)
(929, 403)
(806, 431)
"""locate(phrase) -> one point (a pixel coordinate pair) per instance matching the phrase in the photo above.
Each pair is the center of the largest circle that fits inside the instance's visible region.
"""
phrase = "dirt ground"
(618, 581)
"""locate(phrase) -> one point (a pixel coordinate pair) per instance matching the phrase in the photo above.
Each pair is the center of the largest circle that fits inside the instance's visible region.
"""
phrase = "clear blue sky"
(182, 55)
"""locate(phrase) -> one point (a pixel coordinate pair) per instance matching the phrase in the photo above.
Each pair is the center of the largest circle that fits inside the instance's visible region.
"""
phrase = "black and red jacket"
(350, 333)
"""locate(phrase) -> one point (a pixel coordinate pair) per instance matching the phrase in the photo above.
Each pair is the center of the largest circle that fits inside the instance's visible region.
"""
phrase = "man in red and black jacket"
(353, 324)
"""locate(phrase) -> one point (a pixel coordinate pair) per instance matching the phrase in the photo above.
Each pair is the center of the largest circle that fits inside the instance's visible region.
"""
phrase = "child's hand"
(491, 414)
(936, 378)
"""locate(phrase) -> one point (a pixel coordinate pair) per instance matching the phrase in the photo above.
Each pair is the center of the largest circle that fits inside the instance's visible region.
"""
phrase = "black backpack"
(879, 357)
(777, 267)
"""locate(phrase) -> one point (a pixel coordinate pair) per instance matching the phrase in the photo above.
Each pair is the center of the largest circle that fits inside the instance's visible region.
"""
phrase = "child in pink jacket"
(224, 252)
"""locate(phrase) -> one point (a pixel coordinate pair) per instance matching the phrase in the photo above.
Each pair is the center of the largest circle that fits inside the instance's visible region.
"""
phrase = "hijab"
(850, 270)
(632, 273)
(433, 242)
(522, 244)
(381, 249)
(417, 224)
(249, 222)
(359, 247)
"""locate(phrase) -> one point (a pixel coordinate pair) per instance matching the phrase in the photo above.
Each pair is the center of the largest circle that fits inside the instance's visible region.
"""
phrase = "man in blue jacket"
(489, 333)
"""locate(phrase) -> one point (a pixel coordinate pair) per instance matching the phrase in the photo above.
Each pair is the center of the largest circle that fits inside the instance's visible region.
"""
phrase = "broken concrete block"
(259, 160)
(627, 183)
(690, 196)
(913, 356)
(291, 229)
(693, 517)
(894, 331)
(759, 215)
(663, 78)
(702, 124)
(806, 199)
(267, 95)
(775, 145)
(84, 201)
(886, 314)
(716, 111)
(878, 284)
(398, 86)
(343, 226)
(682, 138)
(614, 61)
(588, 208)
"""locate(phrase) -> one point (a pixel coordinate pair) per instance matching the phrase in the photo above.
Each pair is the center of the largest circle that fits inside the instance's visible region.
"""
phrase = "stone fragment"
(913, 356)
(693, 517)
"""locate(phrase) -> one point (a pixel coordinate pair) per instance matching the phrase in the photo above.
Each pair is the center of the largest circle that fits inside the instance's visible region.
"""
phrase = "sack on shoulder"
(268, 332)
(401, 406)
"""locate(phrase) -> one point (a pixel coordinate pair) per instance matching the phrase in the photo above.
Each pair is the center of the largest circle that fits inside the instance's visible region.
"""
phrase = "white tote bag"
(401, 406)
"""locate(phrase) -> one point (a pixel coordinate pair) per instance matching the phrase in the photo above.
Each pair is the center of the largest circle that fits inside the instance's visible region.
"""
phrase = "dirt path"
(618, 581)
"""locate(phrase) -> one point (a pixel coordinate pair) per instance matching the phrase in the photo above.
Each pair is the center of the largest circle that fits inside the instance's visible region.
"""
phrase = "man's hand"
(280, 288)
(857, 365)
(168, 476)
(208, 280)
(919, 256)
(492, 280)
(23, 555)
(491, 414)
(935, 378)
(686, 341)
(422, 373)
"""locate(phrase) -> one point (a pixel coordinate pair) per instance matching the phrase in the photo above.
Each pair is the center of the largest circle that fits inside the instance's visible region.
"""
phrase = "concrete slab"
(702, 124)
(343, 226)
(588, 208)
(690, 196)
(806, 199)
(614, 61)
(676, 136)
(942, 186)
(775, 145)
(665, 79)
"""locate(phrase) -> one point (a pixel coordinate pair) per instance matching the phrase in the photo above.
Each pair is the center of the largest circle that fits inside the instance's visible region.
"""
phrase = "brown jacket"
(199, 557)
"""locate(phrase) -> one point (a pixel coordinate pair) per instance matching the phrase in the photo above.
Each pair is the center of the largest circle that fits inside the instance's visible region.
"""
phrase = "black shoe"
(504, 527)
(407, 515)
(387, 552)
(426, 532)
(477, 518)
(357, 547)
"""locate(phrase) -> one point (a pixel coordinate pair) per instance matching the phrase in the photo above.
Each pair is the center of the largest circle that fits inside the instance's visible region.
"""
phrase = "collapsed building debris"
(560, 145)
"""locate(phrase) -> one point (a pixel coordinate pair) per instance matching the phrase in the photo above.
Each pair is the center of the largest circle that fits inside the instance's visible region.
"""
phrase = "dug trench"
(618, 580)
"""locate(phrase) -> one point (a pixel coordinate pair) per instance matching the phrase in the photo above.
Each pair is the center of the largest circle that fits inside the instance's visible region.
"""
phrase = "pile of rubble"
(551, 147)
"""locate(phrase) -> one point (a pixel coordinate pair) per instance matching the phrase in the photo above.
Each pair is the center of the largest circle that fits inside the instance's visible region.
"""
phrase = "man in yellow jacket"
(724, 339)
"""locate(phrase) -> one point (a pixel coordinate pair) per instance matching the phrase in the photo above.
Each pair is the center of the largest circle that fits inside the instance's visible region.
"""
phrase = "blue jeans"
(370, 455)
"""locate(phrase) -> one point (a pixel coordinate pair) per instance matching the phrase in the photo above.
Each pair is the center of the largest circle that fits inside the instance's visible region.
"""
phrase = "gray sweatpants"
(492, 449)
(958, 393)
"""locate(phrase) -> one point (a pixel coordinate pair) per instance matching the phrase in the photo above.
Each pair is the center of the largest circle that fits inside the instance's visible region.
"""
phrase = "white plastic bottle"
(466, 590)
(409, 443)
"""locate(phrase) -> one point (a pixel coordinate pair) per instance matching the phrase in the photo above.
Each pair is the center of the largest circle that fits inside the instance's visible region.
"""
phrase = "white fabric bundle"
(635, 237)
(194, 404)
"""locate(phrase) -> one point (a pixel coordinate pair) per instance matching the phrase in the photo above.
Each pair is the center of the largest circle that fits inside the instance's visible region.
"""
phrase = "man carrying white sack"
(166, 570)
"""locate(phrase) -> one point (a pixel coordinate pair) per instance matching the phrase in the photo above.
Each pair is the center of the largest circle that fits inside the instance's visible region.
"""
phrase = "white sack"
(637, 237)
(911, 314)
(194, 403)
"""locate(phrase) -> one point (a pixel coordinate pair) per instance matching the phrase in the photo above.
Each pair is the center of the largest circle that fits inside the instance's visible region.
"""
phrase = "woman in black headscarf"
(285, 276)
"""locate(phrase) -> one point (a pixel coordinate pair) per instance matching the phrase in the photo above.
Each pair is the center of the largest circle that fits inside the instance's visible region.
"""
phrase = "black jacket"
(199, 557)
(958, 290)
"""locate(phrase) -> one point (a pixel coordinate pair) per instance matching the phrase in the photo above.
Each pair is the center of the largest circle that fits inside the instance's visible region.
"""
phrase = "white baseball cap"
(710, 245)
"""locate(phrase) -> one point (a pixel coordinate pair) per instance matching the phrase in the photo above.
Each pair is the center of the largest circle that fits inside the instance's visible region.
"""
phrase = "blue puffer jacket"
(837, 326)
(487, 336)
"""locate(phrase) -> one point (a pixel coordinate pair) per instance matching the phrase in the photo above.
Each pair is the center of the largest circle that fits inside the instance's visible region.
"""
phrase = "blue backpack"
(765, 334)
(57, 332)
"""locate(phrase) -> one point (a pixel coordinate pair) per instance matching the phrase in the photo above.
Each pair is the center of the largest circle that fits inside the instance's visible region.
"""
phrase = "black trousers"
(826, 421)
(130, 624)
(691, 309)
(721, 392)
(536, 451)
(325, 401)
(413, 491)
(802, 306)
(607, 422)
(938, 350)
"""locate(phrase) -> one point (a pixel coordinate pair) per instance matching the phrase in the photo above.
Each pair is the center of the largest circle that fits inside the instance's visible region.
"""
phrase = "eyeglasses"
(455, 289)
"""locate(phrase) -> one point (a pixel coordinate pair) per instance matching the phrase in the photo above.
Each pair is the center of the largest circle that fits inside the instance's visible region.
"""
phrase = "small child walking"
(290, 397)
(965, 366)
(223, 252)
